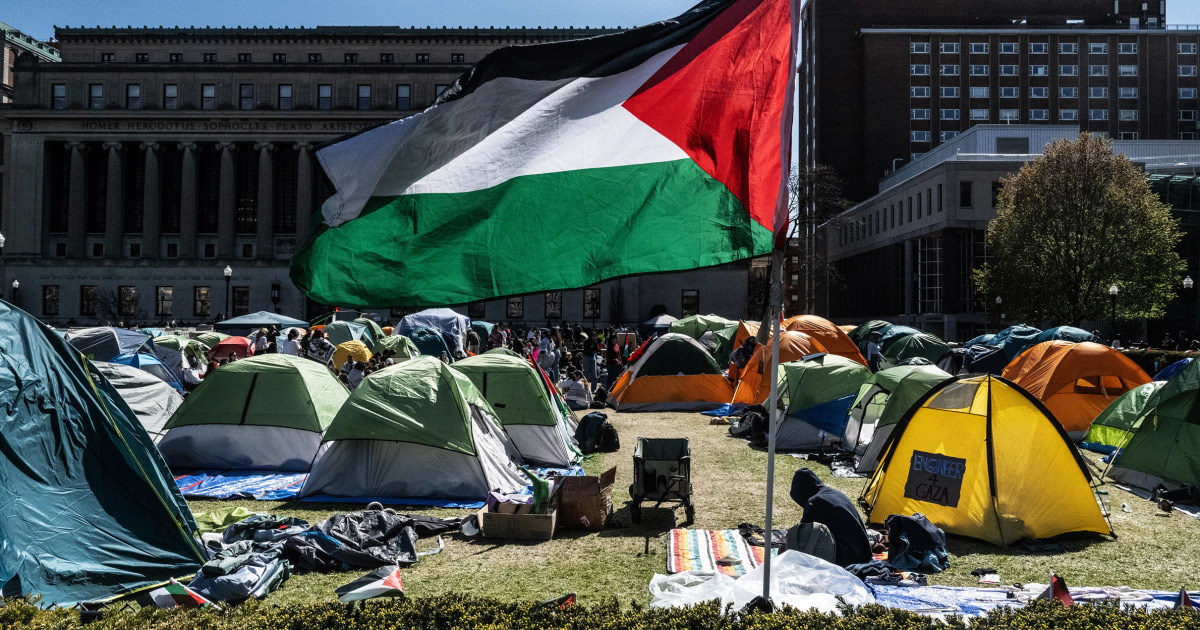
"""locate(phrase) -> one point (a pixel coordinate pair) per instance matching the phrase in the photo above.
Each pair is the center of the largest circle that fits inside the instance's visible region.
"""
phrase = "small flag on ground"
(176, 595)
(382, 582)
(1183, 601)
(560, 602)
(1058, 590)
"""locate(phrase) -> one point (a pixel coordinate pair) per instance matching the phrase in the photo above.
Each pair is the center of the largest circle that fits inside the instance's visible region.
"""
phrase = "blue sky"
(39, 18)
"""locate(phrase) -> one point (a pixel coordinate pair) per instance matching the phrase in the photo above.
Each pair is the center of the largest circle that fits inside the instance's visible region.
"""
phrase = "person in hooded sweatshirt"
(833, 509)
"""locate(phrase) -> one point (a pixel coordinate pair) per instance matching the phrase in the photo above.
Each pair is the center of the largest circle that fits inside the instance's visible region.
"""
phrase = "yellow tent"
(982, 458)
(356, 350)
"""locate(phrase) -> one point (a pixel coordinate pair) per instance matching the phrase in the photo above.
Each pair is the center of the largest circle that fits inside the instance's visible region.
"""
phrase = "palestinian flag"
(382, 582)
(1183, 601)
(1058, 590)
(176, 595)
(555, 166)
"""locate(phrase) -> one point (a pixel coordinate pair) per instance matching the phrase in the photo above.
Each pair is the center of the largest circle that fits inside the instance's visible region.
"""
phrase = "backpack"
(814, 539)
(610, 442)
(915, 544)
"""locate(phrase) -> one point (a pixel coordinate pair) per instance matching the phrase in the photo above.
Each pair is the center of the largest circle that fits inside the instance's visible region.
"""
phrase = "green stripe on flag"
(530, 234)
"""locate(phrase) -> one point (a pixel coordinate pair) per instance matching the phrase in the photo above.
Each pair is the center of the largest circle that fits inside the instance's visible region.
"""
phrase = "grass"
(729, 483)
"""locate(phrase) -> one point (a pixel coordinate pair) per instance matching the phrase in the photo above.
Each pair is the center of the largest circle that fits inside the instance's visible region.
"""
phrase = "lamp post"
(1188, 284)
(228, 277)
(16, 287)
(999, 312)
(1112, 295)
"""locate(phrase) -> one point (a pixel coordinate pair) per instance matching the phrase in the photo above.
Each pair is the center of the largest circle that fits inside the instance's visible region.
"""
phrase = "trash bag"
(689, 588)
(803, 582)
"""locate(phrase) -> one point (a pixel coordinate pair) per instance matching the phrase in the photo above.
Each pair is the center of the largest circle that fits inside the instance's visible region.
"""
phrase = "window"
(1127, 71)
(364, 97)
(210, 57)
(170, 96)
(135, 250)
(386, 57)
(591, 303)
(141, 57)
(1010, 115)
(458, 58)
(1187, 71)
(247, 250)
(58, 96)
(919, 70)
(87, 300)
(1097, 114)
(515, 308)
(1068, 92)
(1127, 48)
(107, 57)
(208, 96)
(210, 250)
(96, 96)
(241, 301)
(980, 70)
(97, 250)
(1187, 114)
(1188, 135)
(1039, 92)
(939, 197)
(285, 97)
(947, 136)
(175, 57)
(949, 92)
(1127, 114)
(1097, 71)
(476, 310)
(1097, 92)
(691, 302)
(949, 114)
(1098, 49)
(1039, 71)
(1068, 71)
(350, 58)
(1129, 135)
(995, 193)
(1008, 48)
(127, 301)
(245, 58)
(201, 301)
(948, 48)
(1065, 48)
(1127, 92)
(1009, 92)
(918, 136)
(1187, 49)
(279, 57)
(979, 48)
(133, 96)
(403, 97)
(422, 58)
(246, 96)
(979, 92)
(964, 194)
(553, 305)
(918, 92)
(920, 114)
(980, 114)
(1039, 114)
(50, 300)
(163, 302)
(1038, 48)
(325, 96)
(1068, 114)
(172, 250)
(314, 57)
(1187, 93)
(1008, 71)
(919, 48)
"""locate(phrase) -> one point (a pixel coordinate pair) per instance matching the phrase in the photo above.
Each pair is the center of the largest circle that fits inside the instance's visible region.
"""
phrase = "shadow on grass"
(1065, 543)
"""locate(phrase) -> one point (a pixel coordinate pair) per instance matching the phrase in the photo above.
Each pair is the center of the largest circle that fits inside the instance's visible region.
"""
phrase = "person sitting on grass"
(577, 392)
(833, 509)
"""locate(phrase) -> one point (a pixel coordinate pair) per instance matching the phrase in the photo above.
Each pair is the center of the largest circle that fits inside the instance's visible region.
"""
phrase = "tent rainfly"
(106, 342)
(244, 324)
(754, 381)
(1165, 444)
(815, 395)
(834, 339)
(674, 373)
(880, 404)
(150, 399)
(1114, 427)
(453, 326)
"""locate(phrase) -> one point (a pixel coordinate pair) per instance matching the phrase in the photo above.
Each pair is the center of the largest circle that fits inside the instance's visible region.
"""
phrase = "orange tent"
(675, 373)
(745, 330)
(1075, 381)
(835, 340)
(754, 385)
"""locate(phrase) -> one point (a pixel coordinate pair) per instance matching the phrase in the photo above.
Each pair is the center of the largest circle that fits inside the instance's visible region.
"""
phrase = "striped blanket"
(701, 549)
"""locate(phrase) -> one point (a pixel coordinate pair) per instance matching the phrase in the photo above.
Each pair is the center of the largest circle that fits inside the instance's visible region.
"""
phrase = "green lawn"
(729, 481)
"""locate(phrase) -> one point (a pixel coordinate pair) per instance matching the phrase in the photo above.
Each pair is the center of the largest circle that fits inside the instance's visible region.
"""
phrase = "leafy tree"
(1072, 223)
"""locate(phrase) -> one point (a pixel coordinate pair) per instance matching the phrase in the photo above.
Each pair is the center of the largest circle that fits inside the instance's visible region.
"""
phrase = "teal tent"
(1065, 333)
(88, 509)
(431, 343)
(1015, 339)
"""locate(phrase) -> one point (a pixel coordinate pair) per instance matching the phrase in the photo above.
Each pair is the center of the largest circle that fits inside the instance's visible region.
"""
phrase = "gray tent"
(151, 400)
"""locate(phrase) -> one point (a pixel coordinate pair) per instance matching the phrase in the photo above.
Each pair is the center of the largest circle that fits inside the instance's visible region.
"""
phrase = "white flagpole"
(775, 312)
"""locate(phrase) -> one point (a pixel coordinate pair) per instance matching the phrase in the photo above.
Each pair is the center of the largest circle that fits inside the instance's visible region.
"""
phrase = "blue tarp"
(453, 326)
(430, 342)
(829, 417)
(1015, 339)
(978, 601)
(1064, 333)
(1172, 370)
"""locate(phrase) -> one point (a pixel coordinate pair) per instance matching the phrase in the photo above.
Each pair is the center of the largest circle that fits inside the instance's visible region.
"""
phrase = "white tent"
(152, 400)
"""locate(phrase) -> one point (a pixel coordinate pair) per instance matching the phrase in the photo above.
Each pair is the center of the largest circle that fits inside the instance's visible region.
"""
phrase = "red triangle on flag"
(1058, 590)
(1183, 601)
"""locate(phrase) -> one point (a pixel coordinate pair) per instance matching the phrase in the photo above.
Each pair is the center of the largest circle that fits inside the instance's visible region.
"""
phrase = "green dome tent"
(373, 330)
(211, 338)
(341, 332)
(191, 348)
(880, 404)
(261, 413)
(697, 327)
(918, 345)
(88, 507)
(815, 395)
(1116, 424)
(417, 430)
(860, 334)
(503, 351)
(1165, 445)
(525, 406)
(404, 347)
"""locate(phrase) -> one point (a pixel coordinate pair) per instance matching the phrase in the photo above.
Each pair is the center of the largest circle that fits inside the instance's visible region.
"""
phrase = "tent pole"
(775, 312)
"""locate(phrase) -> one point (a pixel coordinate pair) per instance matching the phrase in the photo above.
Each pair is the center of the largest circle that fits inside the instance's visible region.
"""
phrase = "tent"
(403, 346)
(981, 340)
(189, 347)
(1165, 446)
(1173, 369)
(450, 324)
(980, 457)
(484, 330)
(1076, 381)
(373, 329)
(860, 334)
(674, 373)
(262, 413)
(730, 339)
(355, 350)
(879, 405)
(504, 351)
(241, 346)
(834, 339)
(416, 430)
(151, 400)
(525, 407)
(89, 509)
(430, 342)
(106, 342)
(954, 362)
(713, 332)
(151, 365)
(1113, 428)
(1015, 339)
(340, 332)
(754, 381)
(985, 360)
(890, 335)
(657, 325)
(210, 338)
(1064, 333)
(921, 345)
(245, 324)
(815, 395)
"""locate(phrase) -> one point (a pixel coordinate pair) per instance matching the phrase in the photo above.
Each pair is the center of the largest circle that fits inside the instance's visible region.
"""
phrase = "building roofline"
(68, 33)
(1048, 29)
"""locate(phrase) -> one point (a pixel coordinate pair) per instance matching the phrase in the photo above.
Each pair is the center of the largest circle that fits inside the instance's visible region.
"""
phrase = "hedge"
(1152, 359)
(460, 611)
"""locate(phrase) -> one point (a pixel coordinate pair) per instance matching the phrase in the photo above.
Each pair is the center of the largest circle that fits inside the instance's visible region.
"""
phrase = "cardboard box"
(586, 502)
(527, 526)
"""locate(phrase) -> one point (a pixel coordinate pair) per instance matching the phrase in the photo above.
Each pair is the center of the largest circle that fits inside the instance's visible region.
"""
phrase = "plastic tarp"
(1113, 428)
(243, 324)
(88, 505)
(150, 399)
(452, 325)
(981, 340)
(1064, 333)
(104, 343)
(241, 484)
(985, 360)
(151, 365)
(1173, 369)
(1015, 339)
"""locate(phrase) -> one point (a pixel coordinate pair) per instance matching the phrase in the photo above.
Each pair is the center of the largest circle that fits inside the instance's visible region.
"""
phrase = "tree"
(1072, 223)
(815, 199)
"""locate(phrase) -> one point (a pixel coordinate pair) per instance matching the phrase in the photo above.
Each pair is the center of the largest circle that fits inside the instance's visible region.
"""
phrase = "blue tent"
(1015, 339)
(1065, 333)
(981, 340)
(1172, 370)
(984, 360)
(452, 325)
(106, 342)
(89, 508)
(153, 332)
(243, 324)
(431, 342)
(151, 365)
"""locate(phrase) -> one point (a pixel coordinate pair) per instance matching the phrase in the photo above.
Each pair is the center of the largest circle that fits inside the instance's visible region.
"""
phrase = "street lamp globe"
(1113, 290)
(16, 285)
(1, 241)
(999, 301)
(228, 271)
(1188, 283)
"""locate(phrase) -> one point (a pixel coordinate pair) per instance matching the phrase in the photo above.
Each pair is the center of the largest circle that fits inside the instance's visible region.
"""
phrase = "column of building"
(151, 212)
(264, 235)
(304, 200)
(187, 202)
(77, 202)
(227, 206)
(114, 207)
